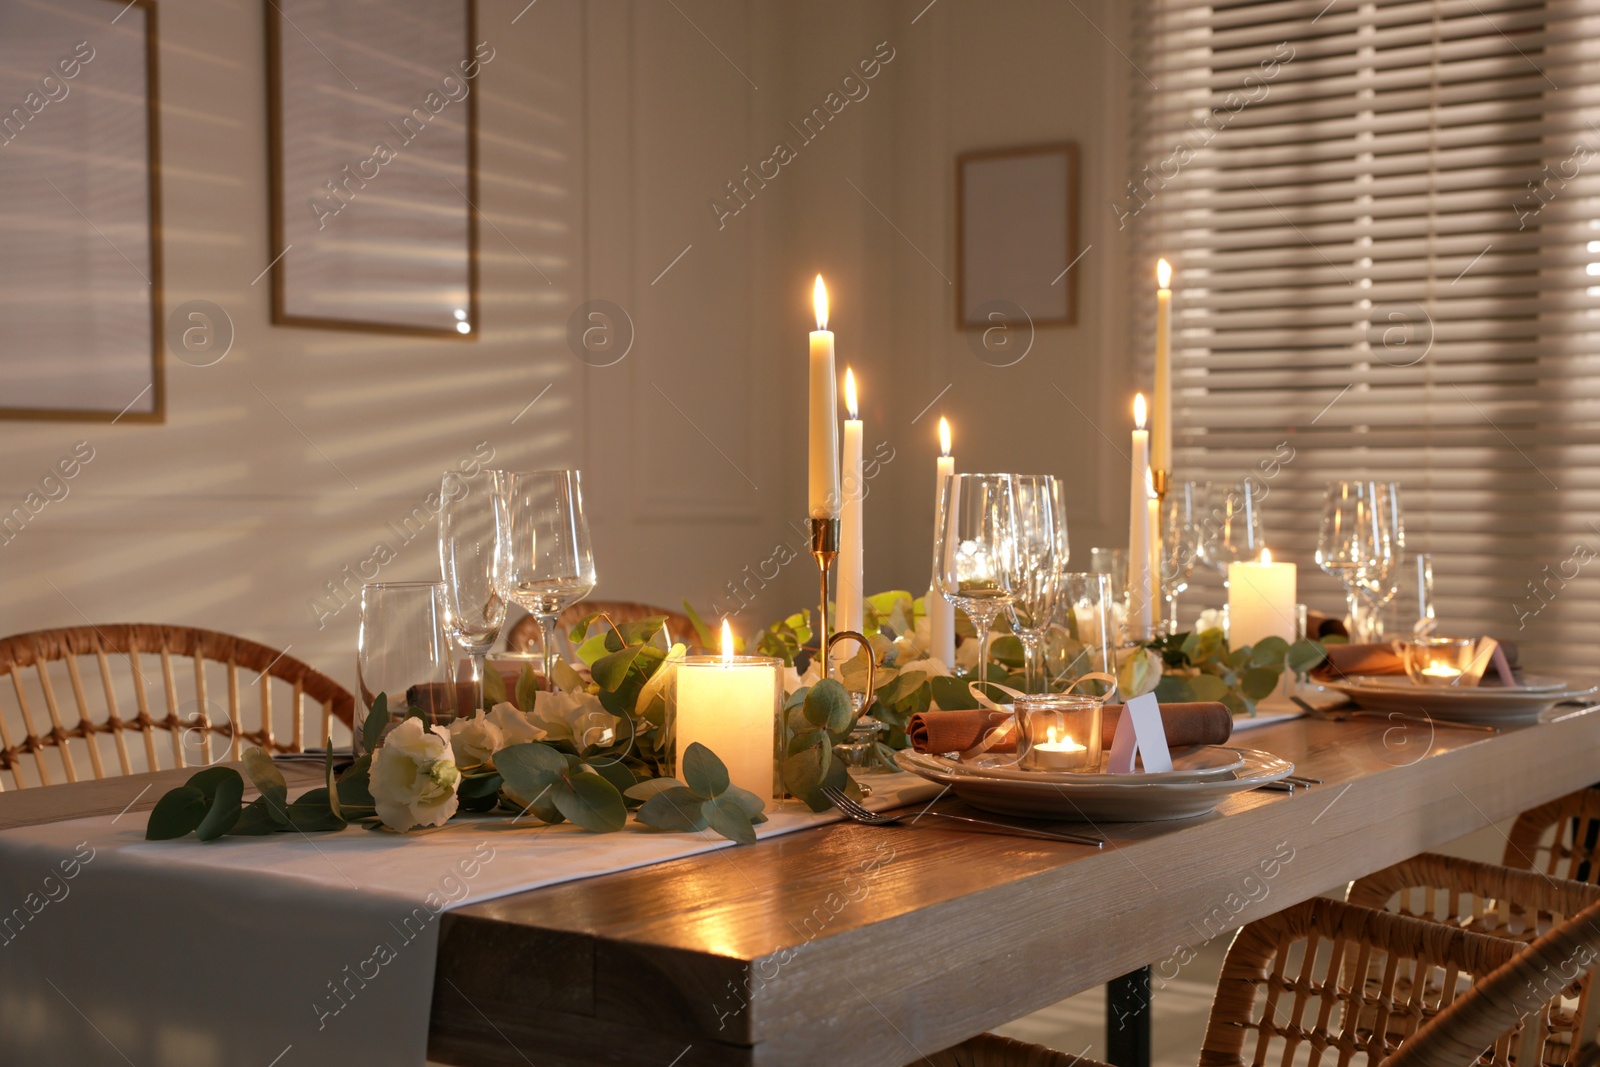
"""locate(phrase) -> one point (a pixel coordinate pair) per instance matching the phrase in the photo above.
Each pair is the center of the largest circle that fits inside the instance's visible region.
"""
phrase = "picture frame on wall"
(1017, 235)
(372, 130)
(80, 232)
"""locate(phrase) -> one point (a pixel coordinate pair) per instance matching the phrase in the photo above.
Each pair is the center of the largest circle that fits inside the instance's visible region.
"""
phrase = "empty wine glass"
(1181, 513)
(402, 652)
(1382, 586)
(1352, 547)
(1037, 565)
(1230, 530)
(972, 550)
(547, 563)
(469, 558)
(1093, 629)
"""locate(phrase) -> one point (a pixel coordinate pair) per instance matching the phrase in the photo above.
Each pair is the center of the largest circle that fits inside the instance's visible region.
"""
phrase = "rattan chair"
(524, 636)
(119, 664)
(1560, 838)
(1325, 982)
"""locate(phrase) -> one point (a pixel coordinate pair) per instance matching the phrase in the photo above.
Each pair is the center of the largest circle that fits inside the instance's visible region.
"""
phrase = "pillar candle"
(1261, 601)
(1161, 416)
(849, 592)
(1140, 576)
(941, 613)
(823, 481)
(730, 705)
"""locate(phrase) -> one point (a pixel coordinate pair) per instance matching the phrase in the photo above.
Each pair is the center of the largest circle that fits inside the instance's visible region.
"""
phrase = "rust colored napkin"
(957, 731)
(1376, 659)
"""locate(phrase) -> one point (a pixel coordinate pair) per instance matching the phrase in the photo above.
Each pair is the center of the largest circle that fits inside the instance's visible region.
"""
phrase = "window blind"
(1385, 221)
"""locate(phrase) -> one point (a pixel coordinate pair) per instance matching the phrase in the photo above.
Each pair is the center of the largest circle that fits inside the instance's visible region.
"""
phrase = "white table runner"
(286, 951)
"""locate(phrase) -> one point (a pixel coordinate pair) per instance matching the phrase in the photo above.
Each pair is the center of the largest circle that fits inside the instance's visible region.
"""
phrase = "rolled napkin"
(1319, 626)
(1201, 723)
(1384, 659)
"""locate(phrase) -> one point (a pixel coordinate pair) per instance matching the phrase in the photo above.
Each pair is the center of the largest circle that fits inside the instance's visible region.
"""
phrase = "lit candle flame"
(819, 300)
(727, 643)
(1163, 274)
(1266, 555)
(944, 436)
(1052, 735)
(850, 392)
(1138, 411)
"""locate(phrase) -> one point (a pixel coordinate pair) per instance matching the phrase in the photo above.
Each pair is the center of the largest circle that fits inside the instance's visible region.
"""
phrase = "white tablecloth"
(285, 951)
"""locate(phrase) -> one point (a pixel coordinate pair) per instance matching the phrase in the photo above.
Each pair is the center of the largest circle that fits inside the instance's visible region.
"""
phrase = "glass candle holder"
(1059, 732)
(730, 704)
(1434, 660)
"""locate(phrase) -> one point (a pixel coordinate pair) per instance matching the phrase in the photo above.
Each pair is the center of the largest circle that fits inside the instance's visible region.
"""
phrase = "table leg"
(1128, 1019)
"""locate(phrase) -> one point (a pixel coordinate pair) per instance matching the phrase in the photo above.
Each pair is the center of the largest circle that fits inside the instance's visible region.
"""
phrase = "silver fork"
(1344, 714)
(856, 813)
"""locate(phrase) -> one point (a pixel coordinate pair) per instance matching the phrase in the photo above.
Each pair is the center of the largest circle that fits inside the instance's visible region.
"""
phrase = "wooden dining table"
(859, 945)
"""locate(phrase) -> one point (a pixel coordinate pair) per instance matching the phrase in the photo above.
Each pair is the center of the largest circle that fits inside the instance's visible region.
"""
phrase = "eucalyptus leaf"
(650, 787)
(269, 782)
(608, 671)
(806, 770)
(581, 631)
(1207, 687)
(951, 694)
(567, 679)
(1304, 656)
(700, 631)
(494, 688)
(828, 706)
(1175, 689)
(254, 821)
(703, 771)
(1239, 705)
(332, 785)
(1259, 682)
(478, 786)
(527, 688)
(224, 805)
(355, 784)
(178, 813)
(591, 802)
(727, 817)
(530, 768)
(612, 770)
(372, 727)
(478, 805)
(676, 809)
(838, 777)
(1268, 652)
(311, 813)
(752, 804)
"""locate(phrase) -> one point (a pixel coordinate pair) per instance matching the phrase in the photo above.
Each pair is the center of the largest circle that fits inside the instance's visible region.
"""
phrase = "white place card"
(1140, 736)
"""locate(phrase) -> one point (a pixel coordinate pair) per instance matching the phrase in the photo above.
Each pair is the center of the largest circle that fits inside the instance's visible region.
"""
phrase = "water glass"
(1037, 565)
(548, 563)
(470, 560)
(1095, 622)
(973, 550)
(403, 652)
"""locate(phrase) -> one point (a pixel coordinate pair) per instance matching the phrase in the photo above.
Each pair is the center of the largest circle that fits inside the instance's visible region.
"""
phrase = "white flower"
(929, 666)
(514, 727)
(793, 679)
(475, 740)
(414, 777)
(915, 643)
(576, 717)
(1210, 619)
(967, 653)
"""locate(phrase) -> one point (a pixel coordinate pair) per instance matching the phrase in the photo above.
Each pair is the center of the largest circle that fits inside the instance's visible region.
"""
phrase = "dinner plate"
(1530, 683)
(1487, 704)
(1189, 764)
(1105, 800)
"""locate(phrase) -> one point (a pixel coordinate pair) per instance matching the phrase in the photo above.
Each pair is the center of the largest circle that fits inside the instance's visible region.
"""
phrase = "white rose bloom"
(514, 727)
(414, 777)
(967, 653)
(576, 717)
(475, 740)
(929, 666)
(1210, 619)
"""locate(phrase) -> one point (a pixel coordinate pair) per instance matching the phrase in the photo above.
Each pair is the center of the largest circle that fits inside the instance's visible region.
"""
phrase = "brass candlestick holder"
(1159, 479)
(824, 549)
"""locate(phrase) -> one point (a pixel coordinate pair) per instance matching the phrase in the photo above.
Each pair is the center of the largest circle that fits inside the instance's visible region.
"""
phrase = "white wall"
(604, 130)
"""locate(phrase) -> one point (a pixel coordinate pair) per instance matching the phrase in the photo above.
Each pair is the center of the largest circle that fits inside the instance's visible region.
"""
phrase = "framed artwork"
(372, 128)
(1017, 235)
(80, 228)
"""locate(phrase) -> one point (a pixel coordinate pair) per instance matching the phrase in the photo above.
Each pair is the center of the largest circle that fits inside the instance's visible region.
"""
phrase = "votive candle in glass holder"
(730, 704)
(1059, 732)
(1432, 660)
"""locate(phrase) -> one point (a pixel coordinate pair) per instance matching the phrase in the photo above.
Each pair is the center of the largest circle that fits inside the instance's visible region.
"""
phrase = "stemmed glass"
(402, 652)
(1037, 566)
(548, 565)
(1353, 547)
(1091, 611)
(1180, 543)
(1230, 532)
(470, 560)
(972, 550)
(1383, 587)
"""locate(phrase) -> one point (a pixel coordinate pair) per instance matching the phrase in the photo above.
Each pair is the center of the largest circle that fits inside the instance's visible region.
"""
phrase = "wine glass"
(1351, 546)
(1094, 628)
(1382, 587)
(547, 563)
(1180, 542)
(1230, 531)
(972, 551)
(402, 651)
(1037, 565)
(470, 560)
